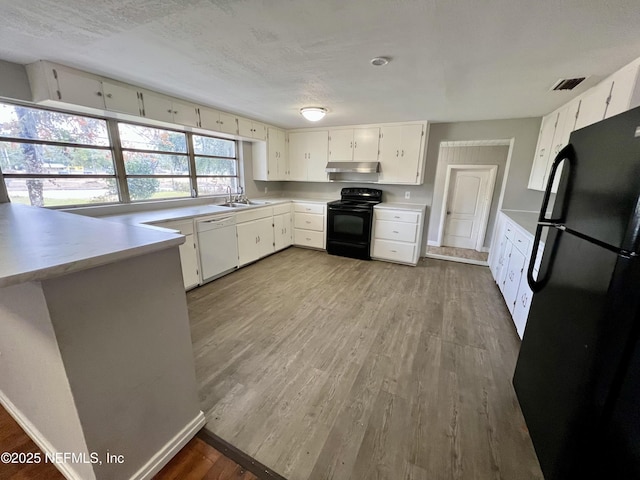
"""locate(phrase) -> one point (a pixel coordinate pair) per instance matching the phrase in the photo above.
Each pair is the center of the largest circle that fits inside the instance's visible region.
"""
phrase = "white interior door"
(467, 202)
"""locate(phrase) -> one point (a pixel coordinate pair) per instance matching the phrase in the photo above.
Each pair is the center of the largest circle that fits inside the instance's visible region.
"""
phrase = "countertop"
(527, 220)
(418, 207)
(183, 213)
(37, 243)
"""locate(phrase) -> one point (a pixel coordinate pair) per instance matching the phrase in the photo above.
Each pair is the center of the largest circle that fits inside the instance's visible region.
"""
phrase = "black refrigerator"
(577, 377)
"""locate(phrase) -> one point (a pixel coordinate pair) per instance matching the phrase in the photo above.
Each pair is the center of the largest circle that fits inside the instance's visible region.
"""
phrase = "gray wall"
(14, 82)
(524, 131)
(477, 155)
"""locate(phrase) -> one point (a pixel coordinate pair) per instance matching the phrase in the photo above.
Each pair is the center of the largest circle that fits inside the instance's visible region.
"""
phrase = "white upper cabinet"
(218, 121)
(308, 152)
(122, 99)
(401, 153)
(250, 129)
(357, 144)
(78, 89)
(165, 109)
(543, 151)
(594, 104)
(624, 94)
(277, 158)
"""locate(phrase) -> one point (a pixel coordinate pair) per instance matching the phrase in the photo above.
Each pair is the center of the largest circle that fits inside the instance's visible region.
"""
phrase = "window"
(156, 162)
(216, 165)
(51, 158)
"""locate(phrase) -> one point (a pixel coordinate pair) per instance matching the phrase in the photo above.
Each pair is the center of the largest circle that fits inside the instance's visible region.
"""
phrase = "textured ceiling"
(452, 60)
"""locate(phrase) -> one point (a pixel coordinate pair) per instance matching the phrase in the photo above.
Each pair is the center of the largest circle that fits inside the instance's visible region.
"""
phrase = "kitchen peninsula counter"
(95, 341)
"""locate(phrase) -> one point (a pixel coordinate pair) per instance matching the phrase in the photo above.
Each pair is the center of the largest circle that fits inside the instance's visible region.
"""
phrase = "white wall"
(33, 383)
(469, 155)
(255, 188)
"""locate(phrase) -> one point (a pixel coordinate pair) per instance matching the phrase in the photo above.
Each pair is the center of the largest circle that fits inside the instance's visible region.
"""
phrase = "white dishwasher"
(218, 246)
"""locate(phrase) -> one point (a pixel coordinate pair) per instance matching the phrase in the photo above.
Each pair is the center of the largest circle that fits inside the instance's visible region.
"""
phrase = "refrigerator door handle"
(568, 154)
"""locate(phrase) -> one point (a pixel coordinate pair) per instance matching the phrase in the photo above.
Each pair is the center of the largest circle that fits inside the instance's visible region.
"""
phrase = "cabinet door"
(121, 99)
(317, 154)
(251, 129)
(209, 119)
(79, 89)
(297, 156)
(189, 261)
(276, 167)
(157, 107)
(228, 124)
(543, 152)
(515, 268)
(594, 105)
(365, 144)
(624, 82)
(248, 250)
(259, 130)
(400, 148)
(284, 168)
(523, 303)
(278, 232)
(341, 145)
(185, 114)
(390, 146)
(288, 230)
(264, 230)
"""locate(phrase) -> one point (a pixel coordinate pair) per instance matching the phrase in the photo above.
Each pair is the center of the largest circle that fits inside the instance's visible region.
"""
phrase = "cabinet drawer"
(309, 221)
(403, 232)
(282, 208)
(397, 216)
(396, 251)
(307, 238)
(309, 208)
(521, 241)
(185, 227)
(509, 231)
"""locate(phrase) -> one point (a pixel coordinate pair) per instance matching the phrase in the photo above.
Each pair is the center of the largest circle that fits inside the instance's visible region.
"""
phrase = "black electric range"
(349, 222)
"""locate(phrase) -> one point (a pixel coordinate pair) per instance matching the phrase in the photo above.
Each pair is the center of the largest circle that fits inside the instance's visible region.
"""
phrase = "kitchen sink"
(233, 205)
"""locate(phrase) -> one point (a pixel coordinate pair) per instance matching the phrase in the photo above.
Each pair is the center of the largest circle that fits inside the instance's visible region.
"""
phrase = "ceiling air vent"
(567, 83)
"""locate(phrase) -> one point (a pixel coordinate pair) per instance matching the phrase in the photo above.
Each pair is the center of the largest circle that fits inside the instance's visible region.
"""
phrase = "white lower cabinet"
(255, 237)
(396, 235)
(509, 262)
(309, 222)
(188, 251)
(282, 227)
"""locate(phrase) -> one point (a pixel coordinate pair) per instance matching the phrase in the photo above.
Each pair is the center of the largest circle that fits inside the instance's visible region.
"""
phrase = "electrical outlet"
(266, 189)
(407, 195)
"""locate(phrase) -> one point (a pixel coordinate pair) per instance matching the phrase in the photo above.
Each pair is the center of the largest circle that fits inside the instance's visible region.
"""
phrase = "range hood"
(353, 167)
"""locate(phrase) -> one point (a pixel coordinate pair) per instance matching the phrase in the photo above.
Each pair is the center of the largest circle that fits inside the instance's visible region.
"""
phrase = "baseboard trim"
(170, 449)
(457, 259)
(40, 440)
(249, 463)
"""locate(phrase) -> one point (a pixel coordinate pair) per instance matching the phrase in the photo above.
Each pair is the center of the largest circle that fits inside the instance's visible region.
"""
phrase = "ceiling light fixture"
(379, 61)
(313, 114)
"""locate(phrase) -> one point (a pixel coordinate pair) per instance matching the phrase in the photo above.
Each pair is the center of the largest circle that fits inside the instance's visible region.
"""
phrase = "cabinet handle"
(351, 145)
(307, 221)
(99, 94)
(402, 154)
(169, 111)
(109, 95)
(397, 153)
(258, 238)
(396, 216)
(308, 239)
(511, 275)
(393, 251)
(355, 144)
(395, 231)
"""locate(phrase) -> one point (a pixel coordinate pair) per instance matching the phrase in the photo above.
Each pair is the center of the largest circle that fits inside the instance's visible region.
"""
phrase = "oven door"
(349, 231)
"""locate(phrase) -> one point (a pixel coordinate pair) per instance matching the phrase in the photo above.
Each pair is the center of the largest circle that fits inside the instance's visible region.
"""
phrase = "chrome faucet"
(229, 193)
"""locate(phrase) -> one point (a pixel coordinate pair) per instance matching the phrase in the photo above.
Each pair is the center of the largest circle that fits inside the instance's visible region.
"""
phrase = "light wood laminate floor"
(324, 367)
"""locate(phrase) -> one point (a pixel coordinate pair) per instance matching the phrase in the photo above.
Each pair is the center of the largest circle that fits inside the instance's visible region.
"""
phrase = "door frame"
(484, 218)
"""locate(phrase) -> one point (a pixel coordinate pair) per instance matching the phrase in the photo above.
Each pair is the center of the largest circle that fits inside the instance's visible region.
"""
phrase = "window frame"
(117, 152)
